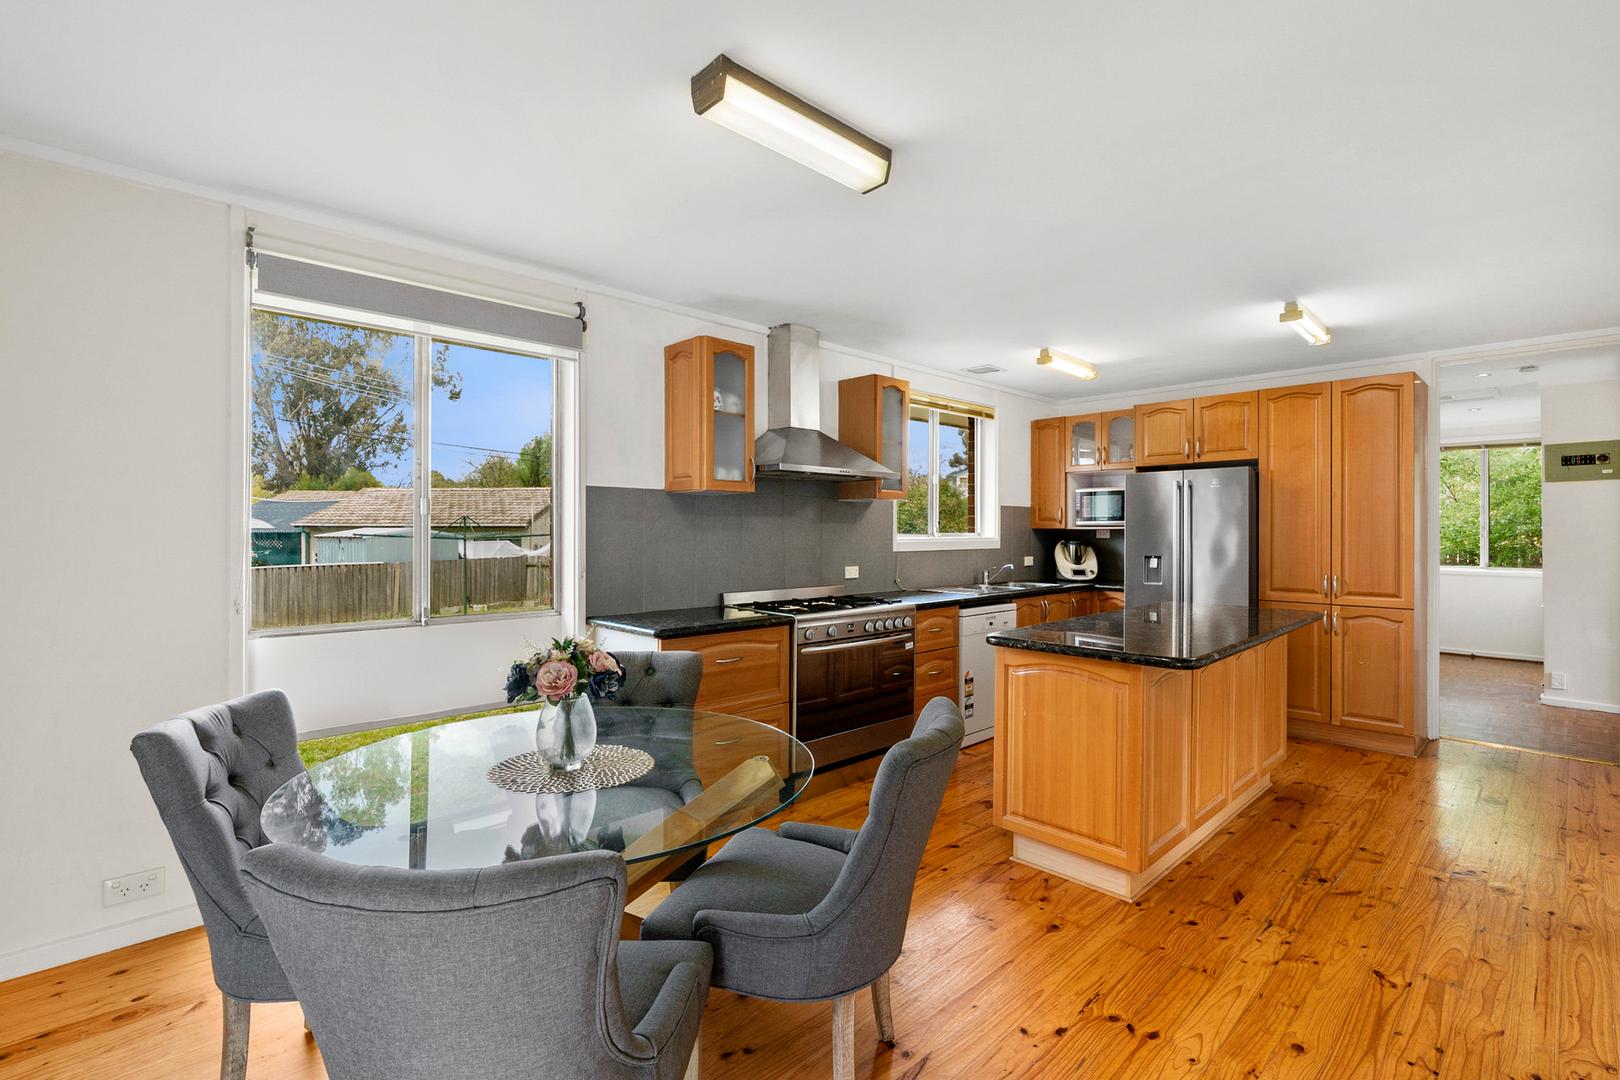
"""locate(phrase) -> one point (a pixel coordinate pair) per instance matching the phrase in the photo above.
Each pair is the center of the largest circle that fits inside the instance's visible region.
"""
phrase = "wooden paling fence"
(322, 594)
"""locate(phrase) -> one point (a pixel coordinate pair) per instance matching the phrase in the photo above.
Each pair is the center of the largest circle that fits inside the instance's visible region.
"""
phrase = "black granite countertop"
(969, 598)
(684, 622)
(1159, 635)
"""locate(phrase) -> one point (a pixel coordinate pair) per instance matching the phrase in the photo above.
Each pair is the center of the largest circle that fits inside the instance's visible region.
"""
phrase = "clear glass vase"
(565, 734)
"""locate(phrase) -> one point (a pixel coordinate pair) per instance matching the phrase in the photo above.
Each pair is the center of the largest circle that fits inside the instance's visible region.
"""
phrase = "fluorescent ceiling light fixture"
(1482, 374)
(1069, 365)
(1312, 329)
(736, 98)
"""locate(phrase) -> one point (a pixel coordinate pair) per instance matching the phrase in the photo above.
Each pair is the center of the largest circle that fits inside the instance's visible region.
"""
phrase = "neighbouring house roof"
(498, 508)
(280, 513)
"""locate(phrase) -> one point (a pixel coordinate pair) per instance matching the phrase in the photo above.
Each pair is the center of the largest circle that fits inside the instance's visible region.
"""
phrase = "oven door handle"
(842, 645)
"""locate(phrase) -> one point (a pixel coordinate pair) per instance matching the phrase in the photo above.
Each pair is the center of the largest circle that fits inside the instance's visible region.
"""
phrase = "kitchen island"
(1126, 739)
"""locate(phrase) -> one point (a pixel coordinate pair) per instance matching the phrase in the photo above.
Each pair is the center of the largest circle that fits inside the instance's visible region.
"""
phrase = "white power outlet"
(1029, 560)
(137, 886)
(1560, 680)
(851, 573)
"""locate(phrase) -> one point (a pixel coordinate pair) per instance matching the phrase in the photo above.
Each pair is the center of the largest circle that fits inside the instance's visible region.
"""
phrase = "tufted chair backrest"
(662, 680)
(209, 772)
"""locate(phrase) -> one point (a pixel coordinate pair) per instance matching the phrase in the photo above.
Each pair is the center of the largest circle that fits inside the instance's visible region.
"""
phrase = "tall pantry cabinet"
(1340, 501)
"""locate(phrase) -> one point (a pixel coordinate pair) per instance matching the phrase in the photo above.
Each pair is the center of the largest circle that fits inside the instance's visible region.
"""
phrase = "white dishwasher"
(978, 663)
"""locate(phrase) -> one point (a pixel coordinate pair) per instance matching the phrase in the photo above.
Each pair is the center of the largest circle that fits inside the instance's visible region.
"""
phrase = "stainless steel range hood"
(795, 446)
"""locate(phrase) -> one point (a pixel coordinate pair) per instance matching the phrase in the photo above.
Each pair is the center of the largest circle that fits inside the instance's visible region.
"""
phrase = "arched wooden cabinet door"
(1164, 432)
(1296, 495)
(1372, 669)
(1374, 462)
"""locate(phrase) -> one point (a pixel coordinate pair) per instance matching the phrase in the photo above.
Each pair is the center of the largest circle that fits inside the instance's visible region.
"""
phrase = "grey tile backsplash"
(647, 549)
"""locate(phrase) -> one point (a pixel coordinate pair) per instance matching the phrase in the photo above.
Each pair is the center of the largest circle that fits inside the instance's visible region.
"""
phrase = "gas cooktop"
(818, 605)
(827, 612)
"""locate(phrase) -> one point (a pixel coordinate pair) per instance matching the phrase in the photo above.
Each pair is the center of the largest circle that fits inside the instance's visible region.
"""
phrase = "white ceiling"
(1140, 185)
(1498, 396)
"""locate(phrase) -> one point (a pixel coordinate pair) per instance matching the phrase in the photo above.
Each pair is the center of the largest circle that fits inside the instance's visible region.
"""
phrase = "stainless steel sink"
(1000, 587)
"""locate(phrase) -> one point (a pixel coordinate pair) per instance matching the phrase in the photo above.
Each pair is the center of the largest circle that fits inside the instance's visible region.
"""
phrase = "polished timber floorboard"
(1484, 699)
(1456, 915)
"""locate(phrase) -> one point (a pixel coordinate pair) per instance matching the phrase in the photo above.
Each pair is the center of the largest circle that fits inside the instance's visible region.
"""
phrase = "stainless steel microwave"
(1099, 508)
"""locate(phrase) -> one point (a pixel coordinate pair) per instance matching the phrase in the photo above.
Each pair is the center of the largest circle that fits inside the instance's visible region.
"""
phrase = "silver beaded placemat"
(607, 766)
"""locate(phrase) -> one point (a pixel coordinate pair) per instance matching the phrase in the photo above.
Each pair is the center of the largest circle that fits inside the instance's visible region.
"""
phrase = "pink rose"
(555, 679)
(601, 660)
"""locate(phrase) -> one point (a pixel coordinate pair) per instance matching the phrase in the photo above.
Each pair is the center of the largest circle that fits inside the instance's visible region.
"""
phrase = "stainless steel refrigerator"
(1191, 536)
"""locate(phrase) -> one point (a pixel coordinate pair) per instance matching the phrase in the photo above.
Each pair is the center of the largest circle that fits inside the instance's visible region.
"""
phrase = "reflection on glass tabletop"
(424, 799)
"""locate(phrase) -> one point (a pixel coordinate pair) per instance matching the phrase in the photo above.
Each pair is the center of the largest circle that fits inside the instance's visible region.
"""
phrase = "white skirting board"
(1571, 703)
(1123, 884)
(103, 939)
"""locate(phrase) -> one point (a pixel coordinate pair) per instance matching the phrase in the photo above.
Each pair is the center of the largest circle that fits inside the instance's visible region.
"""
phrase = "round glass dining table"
(424, 800)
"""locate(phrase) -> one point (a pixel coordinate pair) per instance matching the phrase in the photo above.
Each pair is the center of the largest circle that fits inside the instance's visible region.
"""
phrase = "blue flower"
(518, 682)
(604, 684)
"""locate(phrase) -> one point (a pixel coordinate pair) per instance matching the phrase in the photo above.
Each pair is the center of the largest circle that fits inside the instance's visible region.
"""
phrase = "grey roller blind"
(345, 288)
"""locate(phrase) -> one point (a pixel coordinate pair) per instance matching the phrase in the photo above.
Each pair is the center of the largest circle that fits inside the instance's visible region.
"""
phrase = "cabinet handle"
(1327, 616)
(1324, 585)
(1102, 456)
(936, 629)
(1335, 621)
(1198, 447)
(728, 660)
(1335, 584)
(1186, 449)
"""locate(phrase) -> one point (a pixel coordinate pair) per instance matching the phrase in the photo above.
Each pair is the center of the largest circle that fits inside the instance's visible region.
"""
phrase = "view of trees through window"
(1490, 506)
(941, 475)
(335, 435)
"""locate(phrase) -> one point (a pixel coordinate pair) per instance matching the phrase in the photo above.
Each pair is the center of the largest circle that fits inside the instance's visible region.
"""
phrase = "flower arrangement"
(571, 667)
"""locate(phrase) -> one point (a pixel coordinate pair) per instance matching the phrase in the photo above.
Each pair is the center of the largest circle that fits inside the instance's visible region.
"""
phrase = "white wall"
(1581, 578)
(115, 342)
(1490, 612)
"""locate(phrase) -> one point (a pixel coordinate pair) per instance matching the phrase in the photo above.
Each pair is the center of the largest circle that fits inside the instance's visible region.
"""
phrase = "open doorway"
(1528, 594)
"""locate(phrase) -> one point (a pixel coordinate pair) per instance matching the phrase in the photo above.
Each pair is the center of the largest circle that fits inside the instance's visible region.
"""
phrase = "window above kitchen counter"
(950, 499)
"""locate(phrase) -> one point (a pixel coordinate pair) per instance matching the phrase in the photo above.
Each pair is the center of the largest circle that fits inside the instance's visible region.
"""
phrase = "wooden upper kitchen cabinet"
(1118, 431)
(1048, 482)
(1164, 432)
(1225, 428)
(1082, 442)
(1296, 493)
(1374, 473)
(708, 415)
(873, 418)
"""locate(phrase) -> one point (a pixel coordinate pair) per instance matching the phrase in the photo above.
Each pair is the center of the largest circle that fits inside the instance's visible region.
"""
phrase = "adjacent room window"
(946, 473)
(401, 471)
(1490, 506)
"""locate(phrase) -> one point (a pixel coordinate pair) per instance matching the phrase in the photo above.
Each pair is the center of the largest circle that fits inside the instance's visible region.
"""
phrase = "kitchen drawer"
(936, 629)
(742, 670)
(936, 674)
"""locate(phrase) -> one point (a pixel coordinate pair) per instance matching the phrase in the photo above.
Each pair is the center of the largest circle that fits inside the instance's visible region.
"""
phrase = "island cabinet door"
(1274, 700)
(1211, 728)
(1246, 722)
(1068, 754)
(1166, 750)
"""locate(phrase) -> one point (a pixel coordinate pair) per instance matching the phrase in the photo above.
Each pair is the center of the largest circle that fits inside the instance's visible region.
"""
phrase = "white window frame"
(564, 464)
(1483, 567)
(988, 534)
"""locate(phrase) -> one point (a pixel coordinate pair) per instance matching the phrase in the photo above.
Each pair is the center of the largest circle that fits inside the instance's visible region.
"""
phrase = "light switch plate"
(1029, 560)
(1560, 680)
(851, 573)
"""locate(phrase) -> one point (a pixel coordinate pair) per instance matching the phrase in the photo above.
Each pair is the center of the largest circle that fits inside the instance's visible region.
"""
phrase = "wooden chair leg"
(307, 1029)
(693, 1063)
(234, 1052)
(843, 1025)
(882, 1010)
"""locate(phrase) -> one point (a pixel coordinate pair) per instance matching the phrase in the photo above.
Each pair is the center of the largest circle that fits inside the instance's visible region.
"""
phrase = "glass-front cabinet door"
(1119, 438)
(708, 415)
(1084, 442)
(873, 419)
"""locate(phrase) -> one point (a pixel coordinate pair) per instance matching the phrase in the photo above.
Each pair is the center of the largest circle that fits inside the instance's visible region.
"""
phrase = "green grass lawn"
(315, 751)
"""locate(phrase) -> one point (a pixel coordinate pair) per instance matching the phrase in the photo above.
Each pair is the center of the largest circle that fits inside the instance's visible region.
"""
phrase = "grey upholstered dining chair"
(209, 772)
(507, 972)
(663, 680)
(816, 912)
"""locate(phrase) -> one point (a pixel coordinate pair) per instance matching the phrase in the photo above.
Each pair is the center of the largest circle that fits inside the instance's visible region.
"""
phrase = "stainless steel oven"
(853, 668)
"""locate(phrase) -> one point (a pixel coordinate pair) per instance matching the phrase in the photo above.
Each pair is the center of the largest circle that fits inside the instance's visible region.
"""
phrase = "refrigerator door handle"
(1186, 590)
(1177, 551)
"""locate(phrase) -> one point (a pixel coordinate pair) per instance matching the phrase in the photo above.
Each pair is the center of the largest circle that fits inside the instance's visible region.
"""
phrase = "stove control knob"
(869, 626)
(907, 622)
(809, 634)
(888, 624)
(832, 631)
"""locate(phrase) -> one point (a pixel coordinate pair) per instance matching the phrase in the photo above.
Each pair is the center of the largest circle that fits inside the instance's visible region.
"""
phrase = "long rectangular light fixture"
(754, 107)
(1312, 329)
(1069, 365)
